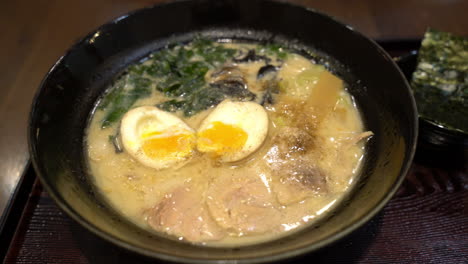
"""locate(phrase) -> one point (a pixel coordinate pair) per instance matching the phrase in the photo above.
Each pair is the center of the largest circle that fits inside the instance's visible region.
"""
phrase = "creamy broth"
(307, 162)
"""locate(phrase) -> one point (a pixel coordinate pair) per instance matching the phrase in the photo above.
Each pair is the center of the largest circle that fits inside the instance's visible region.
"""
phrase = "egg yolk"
(157, 147)
(221, 138)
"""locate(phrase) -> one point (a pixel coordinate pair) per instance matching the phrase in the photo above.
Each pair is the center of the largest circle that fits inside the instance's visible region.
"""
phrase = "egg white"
(147, 122)
(250, 117)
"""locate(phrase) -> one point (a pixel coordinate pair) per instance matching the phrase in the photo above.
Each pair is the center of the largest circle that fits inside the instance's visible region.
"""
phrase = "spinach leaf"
(211, 53)
(206, 97)
(183, 75)
(178, 72)
(125, 93)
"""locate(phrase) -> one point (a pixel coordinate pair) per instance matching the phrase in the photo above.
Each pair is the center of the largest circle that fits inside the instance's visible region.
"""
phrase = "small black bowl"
(438, 145)
(70, 90)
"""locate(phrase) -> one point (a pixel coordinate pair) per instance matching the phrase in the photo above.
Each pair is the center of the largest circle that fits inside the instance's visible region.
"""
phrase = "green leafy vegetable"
(127, 90)
(195, 102)
(179, 72)
(182, 73)
(212, 54)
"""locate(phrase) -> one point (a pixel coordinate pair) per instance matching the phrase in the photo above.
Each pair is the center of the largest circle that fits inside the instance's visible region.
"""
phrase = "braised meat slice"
(243, 205)
(184, 214)
(294, 172)
(298, 180)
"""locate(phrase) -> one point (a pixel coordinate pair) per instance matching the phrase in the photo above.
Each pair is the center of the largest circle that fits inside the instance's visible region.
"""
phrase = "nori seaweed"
(440, 82)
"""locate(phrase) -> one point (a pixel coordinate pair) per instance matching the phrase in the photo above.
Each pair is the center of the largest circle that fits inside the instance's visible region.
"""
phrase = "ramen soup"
(225, 144)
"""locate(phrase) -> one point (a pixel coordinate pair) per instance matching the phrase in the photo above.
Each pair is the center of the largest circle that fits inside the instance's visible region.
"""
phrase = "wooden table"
(34, 34)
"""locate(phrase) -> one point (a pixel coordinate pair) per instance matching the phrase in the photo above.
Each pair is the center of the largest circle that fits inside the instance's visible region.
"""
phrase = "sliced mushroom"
(266, 71)
(251, 56)
(234, 89)
(116, 142)
(231, 73)
(271, 88)
(230, 81)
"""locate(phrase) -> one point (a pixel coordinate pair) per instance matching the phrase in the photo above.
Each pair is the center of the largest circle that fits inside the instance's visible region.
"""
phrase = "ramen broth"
(307, 161)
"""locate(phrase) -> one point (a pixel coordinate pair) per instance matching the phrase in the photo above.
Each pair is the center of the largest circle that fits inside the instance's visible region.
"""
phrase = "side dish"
(440, 81)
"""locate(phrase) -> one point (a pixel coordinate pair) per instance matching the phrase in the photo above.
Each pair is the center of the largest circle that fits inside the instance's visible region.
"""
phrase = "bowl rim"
(64, 206)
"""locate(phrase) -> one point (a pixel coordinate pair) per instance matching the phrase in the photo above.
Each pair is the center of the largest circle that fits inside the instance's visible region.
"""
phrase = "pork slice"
(184, 214)
(291, 141)
(243, 205)
(291, 160)
(298, 180)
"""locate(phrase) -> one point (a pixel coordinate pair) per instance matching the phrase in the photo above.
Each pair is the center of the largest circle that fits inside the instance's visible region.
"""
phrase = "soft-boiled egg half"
(233, 131)
(156, 138)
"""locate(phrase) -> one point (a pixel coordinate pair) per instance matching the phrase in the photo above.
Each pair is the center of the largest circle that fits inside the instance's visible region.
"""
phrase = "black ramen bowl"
(70, 90)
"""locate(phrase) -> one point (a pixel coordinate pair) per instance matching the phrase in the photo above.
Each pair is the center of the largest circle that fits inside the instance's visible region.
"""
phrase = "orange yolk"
(221, 138)
(169, 146)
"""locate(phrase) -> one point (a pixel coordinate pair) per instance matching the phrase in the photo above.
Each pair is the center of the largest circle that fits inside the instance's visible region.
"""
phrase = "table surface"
(34, 34)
